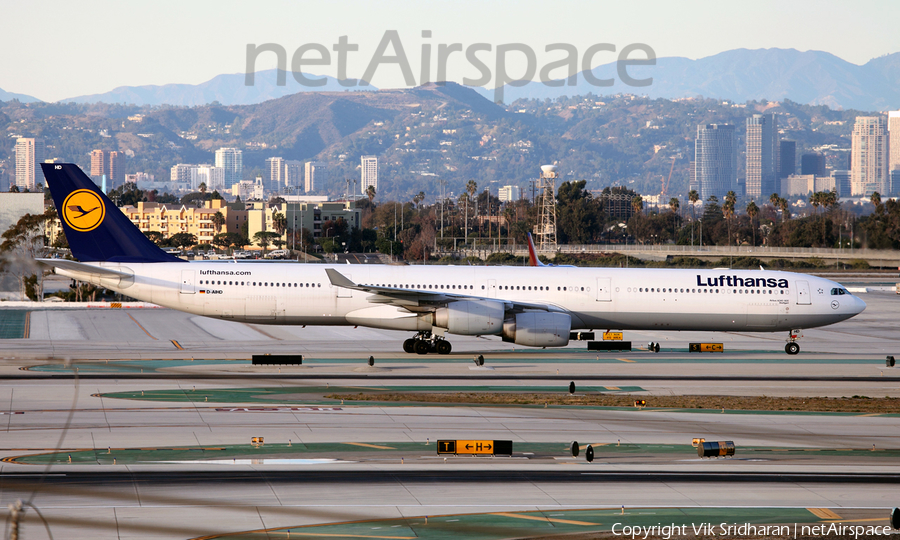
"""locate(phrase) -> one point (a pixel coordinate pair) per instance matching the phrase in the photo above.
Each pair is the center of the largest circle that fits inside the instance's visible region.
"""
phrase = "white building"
(181, 173)
(232, 160)
(293, 174)
(213, 177)
(275, 175)
(509, 193)
(316, 176)
(248, 190)
(804, 184)
(869, 157)
(29, 155)
(369, 174)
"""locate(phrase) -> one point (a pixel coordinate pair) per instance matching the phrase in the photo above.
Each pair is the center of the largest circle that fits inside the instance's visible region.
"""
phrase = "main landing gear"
(426, 342)
(792, 346)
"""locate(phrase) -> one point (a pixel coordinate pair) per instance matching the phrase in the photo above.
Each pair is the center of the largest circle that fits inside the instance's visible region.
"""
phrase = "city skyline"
(217, 35)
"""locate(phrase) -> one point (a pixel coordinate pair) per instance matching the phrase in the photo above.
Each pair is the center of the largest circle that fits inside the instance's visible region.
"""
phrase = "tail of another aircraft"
(95, 228)
(532, 254)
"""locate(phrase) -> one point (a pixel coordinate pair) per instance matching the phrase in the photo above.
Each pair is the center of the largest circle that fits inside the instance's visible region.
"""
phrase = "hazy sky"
(58, 49)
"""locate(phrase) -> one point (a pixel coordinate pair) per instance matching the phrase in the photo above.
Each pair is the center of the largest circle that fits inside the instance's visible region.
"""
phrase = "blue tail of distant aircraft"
(95, 228)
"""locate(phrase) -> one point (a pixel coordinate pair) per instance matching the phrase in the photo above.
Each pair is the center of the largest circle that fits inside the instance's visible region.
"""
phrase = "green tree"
(753, 211)
(264, 238)
(183, 240)
(279, 221)
(218, 220)
(577, 214)
(202, 187)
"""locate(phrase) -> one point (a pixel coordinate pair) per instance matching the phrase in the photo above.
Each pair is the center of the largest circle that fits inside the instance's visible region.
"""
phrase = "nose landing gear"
(426, 342)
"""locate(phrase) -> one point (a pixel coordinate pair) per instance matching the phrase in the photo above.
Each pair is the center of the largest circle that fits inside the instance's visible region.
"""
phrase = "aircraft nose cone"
(858, 306)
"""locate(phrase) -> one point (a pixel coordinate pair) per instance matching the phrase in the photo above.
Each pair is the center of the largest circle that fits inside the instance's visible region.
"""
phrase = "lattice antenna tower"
(546, 230)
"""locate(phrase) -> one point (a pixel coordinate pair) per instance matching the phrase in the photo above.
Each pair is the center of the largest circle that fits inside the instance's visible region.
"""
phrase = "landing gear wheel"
(656, 347)
(421, 347)
(409, 346)
(792, 348)
(443, 347)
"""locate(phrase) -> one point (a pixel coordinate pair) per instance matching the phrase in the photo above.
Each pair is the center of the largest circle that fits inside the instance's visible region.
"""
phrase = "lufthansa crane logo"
(83, 210)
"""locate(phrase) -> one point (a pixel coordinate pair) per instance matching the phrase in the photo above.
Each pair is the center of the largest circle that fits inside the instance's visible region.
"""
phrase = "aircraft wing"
(75, 266)
(418, 300)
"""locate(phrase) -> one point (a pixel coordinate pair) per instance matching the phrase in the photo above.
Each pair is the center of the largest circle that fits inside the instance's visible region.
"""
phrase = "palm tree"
(693, 196)
(674, 205)
(728, 211)
(370, 193)
(774, 199)
(785, 209)
(279, 222)
(752, 211)
(471, 188)
(202, 187)
(218, 220)
(637, 204)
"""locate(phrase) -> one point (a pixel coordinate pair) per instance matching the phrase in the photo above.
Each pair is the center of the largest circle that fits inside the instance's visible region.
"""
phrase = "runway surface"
(150, 437)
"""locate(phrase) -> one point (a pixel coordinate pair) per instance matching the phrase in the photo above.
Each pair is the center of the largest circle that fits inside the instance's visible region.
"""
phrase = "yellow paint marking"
(871, 414)
(853, 520)
(624, 360)
(27, 324)
(595, 445)
(824, 513)
(141, 327)
(180, 348)
(370, 445)
(612, 387)
(539, 518)
(334, 535)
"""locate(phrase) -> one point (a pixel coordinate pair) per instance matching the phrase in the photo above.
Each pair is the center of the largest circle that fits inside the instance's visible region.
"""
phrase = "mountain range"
(741, 75)
(9, 96)
(227, 89)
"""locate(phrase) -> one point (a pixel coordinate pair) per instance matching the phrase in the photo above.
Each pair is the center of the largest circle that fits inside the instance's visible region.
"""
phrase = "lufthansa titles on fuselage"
(735, 281)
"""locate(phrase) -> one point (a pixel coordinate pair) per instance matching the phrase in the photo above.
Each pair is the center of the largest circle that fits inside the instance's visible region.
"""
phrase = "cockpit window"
(838, 291)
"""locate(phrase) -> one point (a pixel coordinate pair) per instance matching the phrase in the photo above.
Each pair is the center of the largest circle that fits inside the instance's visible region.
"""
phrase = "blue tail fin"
(95, 228)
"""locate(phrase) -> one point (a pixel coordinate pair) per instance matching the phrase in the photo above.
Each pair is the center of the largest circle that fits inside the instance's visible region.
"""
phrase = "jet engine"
(471, 317)
(538, 329)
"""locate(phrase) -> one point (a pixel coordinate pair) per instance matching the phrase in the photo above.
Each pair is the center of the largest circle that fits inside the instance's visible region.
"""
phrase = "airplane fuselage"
(595, 298)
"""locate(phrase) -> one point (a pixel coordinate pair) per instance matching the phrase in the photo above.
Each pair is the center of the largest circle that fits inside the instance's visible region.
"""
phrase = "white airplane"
(536, 307)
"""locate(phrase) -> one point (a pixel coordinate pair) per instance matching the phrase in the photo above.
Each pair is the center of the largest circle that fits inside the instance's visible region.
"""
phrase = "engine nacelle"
(538, 329)
(471, 317)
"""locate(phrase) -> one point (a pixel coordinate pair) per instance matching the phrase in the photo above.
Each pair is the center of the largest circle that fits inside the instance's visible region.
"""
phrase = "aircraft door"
(187, 282)
(604, 289)
(803, 297)
(341, 292)
(492, 288)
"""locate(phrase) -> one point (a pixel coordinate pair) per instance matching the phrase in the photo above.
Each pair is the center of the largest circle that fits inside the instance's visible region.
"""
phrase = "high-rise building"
(509, 193)
(29, 153)
(213, 177)
(762, 152)
(369, 174)
(293, 174)
(99, 164)
(869, 162)
(230, 159)
(812, 164)
(894, 139)
(715, 157)
(787, 159)
(316, 176)
(181, 173)
(275, 173)
(841, 182)
(116, 173)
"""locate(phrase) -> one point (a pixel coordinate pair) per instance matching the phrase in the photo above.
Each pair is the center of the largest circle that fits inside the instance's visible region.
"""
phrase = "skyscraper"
(293, 174)
(275, 176)
(894, 139)
(316, 176)
(29, 153)
(869, 158)
(116, 168)
(812, 164)
(369, 174)
(230, 159)
(762, 152)
(715, 160)
(787, 159)
(99, 164)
